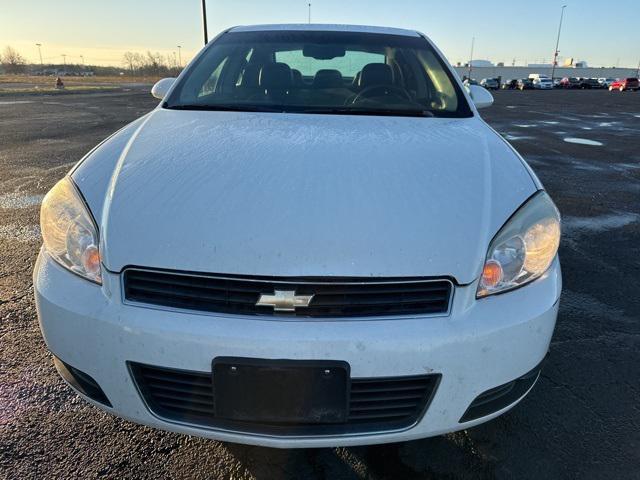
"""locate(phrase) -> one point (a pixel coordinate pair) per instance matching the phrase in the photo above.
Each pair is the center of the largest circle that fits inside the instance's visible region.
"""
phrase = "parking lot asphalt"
(582, 420)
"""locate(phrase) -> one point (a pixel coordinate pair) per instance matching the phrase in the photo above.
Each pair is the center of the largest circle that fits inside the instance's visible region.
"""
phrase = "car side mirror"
(480, 96)
(162, 87)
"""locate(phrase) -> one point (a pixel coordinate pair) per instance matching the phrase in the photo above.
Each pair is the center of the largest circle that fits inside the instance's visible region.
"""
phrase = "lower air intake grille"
(329, 297)
(376, 404)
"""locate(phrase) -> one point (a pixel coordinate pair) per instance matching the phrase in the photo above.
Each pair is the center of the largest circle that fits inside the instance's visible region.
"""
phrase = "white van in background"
(540, 81)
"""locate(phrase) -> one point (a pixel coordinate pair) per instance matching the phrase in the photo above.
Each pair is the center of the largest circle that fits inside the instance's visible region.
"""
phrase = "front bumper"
(480, 345)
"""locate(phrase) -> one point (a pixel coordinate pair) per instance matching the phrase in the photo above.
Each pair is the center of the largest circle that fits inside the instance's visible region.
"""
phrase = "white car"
(314, 240)
(541, 82)
(606, 82)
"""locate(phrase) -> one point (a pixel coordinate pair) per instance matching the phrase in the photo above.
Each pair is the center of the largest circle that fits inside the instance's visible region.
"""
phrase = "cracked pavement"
(582, 420)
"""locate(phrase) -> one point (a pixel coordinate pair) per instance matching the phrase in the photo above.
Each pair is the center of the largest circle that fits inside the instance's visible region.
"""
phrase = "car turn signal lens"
(69, 232)
(523, 249)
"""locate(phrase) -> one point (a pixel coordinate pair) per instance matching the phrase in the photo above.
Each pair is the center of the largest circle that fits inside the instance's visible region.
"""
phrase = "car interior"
(322, 76)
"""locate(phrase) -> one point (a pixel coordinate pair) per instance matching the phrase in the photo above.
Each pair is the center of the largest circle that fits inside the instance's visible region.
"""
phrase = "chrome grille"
(331, 297)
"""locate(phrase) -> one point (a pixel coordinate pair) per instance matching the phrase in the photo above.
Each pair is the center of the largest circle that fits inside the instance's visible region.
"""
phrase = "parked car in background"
(589, 83)
(510, 84)
(541, 82)
(469, 81)
(623, 84)
(490, 83)
(605, 82)
(525, 84)
(570, 82)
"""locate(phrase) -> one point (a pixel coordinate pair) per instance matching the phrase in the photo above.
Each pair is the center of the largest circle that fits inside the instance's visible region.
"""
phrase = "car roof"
(318, 27)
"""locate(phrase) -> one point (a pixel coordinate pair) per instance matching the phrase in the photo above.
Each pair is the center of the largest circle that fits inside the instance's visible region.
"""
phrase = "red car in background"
(623, 84)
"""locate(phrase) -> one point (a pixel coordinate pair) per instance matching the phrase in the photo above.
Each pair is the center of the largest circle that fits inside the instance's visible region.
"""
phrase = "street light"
(555, 55)
(179, 56)
(39, 45)
(473, 42)
(309, 12)
(204, 21)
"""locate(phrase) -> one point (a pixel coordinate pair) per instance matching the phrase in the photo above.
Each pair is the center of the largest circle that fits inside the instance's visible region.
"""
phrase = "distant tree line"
(150, 64)
(135, 64)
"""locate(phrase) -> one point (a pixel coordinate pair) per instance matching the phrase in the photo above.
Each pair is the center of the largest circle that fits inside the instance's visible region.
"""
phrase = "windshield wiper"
(389, 112)
(225, 108)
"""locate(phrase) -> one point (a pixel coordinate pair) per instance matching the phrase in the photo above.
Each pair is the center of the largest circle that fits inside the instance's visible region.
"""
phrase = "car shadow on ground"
(448, 456)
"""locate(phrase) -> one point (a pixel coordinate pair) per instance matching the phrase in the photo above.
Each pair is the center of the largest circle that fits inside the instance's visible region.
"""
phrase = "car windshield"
(320, 72)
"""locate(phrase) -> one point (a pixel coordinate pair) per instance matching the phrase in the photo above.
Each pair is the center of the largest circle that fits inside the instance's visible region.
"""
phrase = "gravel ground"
(581, 421)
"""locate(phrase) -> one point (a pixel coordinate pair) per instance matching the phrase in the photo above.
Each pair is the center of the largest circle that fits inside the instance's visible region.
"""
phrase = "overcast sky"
(603, 33)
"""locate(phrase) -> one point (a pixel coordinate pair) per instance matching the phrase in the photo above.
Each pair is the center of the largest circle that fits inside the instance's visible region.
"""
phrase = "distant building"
(581, 64)
(481, 63)
(539, 65)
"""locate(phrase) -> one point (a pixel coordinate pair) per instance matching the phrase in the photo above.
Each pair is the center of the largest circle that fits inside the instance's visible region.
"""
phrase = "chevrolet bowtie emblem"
(284, 301)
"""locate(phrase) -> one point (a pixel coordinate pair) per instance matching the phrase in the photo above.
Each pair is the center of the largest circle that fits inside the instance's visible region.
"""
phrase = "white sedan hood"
(304, 195)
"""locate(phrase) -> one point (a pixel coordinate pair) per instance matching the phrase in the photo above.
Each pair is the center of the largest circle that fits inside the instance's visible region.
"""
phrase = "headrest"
(376, 74)
(276, 76)
(297, 77)
(250, 75)
(328, 79)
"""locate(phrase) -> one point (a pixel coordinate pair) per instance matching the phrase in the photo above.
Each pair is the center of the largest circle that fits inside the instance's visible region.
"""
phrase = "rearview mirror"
(161, 88)
(480, 96)
(323, 52)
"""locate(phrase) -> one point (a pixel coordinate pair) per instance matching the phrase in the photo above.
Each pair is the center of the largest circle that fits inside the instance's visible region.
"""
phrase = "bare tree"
(129, 60)
(12, 61)
(153, 63)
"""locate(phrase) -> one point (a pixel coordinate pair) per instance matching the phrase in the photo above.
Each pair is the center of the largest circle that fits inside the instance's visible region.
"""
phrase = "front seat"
(374, 75)
(328, 79)
(276, 79)
(250, 76)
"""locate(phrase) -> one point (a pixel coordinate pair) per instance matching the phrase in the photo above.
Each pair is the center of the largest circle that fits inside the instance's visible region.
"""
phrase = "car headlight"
(523, 249)
(69, 231)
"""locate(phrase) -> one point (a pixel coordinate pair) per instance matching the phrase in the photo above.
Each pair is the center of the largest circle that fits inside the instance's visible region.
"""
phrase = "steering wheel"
(379, 91)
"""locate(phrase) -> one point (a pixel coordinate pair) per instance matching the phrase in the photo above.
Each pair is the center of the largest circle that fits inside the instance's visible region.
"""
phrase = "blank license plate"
(281, 391)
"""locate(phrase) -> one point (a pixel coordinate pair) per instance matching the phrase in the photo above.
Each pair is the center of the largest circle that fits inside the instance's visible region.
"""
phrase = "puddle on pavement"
(583, 141)
(515, 138)
(626, 166)
(19, 200)
(600, 223)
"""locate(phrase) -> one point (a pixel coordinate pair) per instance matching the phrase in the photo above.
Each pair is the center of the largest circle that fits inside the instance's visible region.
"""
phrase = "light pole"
(204, 21)
(555, 54)
(39, 45)
(82, 58)
(64, 59)
(179, 56)
(638, 70)
(309, 12)
(473, 42)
